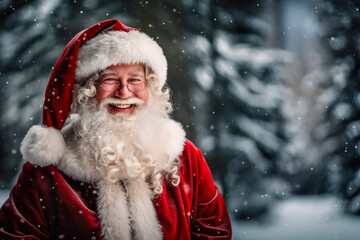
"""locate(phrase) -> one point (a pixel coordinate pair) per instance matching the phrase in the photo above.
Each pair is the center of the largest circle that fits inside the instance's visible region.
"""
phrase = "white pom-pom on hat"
(43, 146)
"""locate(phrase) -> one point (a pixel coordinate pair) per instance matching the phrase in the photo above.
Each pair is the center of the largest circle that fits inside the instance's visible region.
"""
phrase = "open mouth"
(121, 106)
(125, 108)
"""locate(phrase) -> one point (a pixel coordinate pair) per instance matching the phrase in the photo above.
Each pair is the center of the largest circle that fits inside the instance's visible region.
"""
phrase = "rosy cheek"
(101, 95)
(145, 96)
(140, 96)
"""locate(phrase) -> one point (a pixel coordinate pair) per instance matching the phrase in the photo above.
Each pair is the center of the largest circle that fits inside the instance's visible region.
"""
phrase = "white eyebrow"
(137, 74)
(107, 71)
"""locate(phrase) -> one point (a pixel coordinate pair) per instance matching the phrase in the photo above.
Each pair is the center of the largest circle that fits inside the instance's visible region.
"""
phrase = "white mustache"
(114, 101)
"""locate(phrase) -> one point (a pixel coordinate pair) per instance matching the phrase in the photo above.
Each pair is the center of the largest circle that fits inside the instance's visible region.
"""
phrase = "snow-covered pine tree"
(341, 98)
(239, 98)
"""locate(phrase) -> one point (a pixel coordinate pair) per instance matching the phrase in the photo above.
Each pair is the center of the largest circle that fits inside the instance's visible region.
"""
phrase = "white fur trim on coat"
(127, 208)
(43, 145)
(113, 211)
(143, 214)
(118, 47)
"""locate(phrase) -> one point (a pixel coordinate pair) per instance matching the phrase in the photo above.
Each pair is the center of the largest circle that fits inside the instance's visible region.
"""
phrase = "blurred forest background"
(268, 89)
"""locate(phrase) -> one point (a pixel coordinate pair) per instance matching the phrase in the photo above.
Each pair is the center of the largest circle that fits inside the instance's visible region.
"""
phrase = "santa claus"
(118, 167)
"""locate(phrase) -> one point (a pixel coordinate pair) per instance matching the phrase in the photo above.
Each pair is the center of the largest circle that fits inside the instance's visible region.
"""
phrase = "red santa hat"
(94, 49)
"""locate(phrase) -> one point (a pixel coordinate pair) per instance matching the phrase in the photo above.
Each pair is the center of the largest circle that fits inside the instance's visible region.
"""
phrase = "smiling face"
(125, 101)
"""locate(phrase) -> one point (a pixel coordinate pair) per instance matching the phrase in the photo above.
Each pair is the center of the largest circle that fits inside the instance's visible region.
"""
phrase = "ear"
(43, 146)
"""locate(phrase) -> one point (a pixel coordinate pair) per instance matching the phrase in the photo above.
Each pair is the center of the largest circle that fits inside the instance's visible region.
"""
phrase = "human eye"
(135, 81)
(110, 81)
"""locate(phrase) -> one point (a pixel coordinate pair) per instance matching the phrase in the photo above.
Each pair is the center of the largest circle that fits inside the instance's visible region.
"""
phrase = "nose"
(123, 92)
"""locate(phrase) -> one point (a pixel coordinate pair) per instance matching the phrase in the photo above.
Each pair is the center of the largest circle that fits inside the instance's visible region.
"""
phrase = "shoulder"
(194, 169)
(32, 182)
(192, 159)
(191, 153)
(36, 174)
(30, 168)
(190, 148)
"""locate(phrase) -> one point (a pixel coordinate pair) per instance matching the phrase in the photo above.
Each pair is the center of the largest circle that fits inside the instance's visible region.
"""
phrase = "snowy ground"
(298, 218)
(303, 218)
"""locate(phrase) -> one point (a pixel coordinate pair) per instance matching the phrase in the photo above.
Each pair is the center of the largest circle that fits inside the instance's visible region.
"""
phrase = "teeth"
(121, 105)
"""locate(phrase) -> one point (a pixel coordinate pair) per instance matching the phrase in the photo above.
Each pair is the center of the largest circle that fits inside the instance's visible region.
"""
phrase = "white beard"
(120, 145)
(126, 157)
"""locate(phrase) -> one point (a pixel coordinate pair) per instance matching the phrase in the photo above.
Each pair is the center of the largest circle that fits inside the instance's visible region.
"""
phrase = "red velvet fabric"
(46, 204)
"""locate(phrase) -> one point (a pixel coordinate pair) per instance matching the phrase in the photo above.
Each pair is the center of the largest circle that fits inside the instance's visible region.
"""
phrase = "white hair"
(115, 150)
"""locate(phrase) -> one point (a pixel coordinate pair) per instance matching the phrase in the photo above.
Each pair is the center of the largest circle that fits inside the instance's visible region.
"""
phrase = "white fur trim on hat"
(118, 47)
(43, 146)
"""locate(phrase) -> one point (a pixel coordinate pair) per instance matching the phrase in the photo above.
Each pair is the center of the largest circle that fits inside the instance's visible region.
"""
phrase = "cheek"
(144, 95)
(101, 95)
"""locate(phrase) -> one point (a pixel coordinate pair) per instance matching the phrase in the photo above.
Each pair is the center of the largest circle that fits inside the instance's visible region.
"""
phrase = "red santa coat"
(47, 204)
